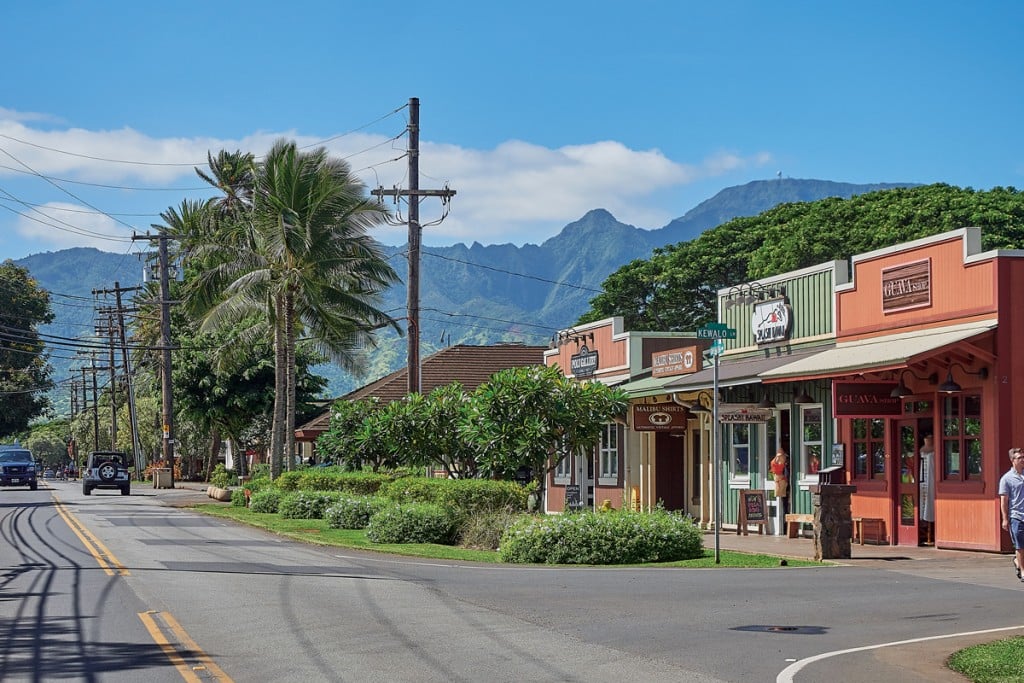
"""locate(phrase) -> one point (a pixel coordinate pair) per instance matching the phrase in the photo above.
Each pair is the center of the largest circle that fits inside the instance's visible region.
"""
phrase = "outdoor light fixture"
(803, 397)
(752, 292)
(951, 387)
(766, 402)
(902, 389)
(695, 405)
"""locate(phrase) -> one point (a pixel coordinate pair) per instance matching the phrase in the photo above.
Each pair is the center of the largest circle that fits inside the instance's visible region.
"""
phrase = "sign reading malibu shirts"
(659, 417)
(865, 399)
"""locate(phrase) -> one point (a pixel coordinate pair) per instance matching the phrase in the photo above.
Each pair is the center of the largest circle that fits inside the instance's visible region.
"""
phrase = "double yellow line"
(163, 628)
(110, 564)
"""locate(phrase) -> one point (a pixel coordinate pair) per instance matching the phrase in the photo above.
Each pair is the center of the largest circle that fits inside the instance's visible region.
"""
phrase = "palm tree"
(299, 252)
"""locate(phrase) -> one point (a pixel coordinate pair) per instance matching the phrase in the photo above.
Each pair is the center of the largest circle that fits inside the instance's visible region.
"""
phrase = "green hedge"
(467, 496)
(354, 512)
(616, 537)
(306, 504)
(266, 500)
(413, 523)
(333, 479)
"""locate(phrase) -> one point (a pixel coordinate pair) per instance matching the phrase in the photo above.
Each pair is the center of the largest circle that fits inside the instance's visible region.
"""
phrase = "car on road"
(17, 467)
(107, 470)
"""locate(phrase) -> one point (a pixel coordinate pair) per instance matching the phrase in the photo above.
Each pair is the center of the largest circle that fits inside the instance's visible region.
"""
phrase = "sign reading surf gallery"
(906, 286)
(584, 363)
(659, 417)
(865, 399)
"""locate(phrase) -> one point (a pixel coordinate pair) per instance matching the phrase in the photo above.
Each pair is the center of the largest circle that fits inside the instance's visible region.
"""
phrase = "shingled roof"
(470, 366)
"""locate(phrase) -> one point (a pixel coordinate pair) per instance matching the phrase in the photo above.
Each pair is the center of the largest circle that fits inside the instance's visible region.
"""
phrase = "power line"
(560, 283)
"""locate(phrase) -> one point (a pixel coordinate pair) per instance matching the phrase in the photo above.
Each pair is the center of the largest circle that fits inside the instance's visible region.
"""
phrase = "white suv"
(107, 470)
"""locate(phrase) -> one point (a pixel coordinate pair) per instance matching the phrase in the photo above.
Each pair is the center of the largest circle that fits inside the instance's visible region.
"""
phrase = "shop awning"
(880, 353)
(736, 371)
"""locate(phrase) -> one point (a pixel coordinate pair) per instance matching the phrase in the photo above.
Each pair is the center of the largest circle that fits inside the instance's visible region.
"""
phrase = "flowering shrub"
(616, 537)
(353, 512)
(484, 530)
(306, 504)
(266, 500)
(412, 523)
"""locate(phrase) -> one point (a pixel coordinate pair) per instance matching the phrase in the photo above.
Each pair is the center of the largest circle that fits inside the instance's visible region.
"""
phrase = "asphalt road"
(110, 588)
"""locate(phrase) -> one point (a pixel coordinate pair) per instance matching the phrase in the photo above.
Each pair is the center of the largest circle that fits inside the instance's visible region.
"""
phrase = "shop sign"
(907, 286)
(676, 362)
(770, 321)
(659, 417)
(583, 363)
(743, 413)
(865, 399)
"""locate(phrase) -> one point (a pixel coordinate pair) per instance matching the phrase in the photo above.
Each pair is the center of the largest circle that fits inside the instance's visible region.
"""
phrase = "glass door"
(906, 483)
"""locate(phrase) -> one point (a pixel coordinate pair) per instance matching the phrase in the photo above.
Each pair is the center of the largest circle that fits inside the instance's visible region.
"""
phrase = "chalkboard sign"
(752, 510)
(572, 496)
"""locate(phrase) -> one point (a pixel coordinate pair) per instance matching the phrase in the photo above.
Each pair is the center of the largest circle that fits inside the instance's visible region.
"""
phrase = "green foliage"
(354, 512)
(306, 504)
(266, 500)
(616, 537)
(24, 370)
(238, 499)
(289, 481)
(676, 288)
(1001, 661)
(333, 479)
(222, 478)
(466, 496)
(413, 523)
(485, 530)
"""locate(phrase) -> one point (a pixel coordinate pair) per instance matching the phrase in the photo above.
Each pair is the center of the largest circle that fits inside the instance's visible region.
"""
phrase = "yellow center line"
(152, 619)
(106, 559)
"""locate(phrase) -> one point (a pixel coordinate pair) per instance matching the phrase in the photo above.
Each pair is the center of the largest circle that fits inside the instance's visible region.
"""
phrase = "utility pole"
(165, 346)
(415, 237)
(133, 419)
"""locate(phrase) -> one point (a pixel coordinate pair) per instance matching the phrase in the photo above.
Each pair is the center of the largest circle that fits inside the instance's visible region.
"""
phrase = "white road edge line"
(786, 675)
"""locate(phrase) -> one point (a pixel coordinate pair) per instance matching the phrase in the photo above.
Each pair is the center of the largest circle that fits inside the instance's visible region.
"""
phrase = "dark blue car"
(17, 467)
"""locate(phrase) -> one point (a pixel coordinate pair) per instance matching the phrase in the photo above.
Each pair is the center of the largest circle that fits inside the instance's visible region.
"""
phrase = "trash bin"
(162, 478)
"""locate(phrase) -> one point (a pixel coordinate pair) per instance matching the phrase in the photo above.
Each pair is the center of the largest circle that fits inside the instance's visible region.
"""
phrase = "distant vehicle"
(17, 467)
(49, 474)
(106, 470)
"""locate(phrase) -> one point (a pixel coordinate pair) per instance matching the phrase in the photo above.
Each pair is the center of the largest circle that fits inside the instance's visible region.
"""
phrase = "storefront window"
(740, 450)
(961, 437)
(868, 448)
(563, 469)
(811, 439)
(609, 454)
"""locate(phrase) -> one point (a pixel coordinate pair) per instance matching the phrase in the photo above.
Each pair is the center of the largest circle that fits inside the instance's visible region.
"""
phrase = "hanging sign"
(584, 363)
(865, 399)
(659, 417)
(743, 413)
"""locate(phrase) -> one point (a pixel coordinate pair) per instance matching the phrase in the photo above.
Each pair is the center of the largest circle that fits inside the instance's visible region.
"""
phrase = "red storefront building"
(924, 370)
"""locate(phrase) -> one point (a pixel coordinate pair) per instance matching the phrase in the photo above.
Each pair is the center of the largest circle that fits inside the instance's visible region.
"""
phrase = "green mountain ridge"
(476, 294)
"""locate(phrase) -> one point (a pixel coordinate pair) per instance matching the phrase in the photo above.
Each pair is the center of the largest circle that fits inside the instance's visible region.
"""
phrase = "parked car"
(49, 474)
(107, 470)
(17, 467)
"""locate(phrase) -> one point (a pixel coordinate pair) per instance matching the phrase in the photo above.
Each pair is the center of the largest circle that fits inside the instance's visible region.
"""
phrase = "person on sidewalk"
(1011, 503)
(779, 467)
(926, 484)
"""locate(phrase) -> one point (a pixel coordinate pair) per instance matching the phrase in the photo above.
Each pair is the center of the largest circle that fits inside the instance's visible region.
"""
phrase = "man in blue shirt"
(1011, 503)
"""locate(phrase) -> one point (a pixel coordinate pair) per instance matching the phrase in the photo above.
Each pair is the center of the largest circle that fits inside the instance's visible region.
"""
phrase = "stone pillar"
(833, 521)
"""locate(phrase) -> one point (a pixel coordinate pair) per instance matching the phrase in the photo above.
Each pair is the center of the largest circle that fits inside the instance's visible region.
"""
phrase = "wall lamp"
(570, 335)
(697, 405)
(951, 387)
(902, 389)
(766, 402)
(752, 292)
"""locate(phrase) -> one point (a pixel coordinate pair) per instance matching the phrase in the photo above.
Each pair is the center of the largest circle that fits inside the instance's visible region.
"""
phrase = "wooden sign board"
(752, 511)
(572, 497)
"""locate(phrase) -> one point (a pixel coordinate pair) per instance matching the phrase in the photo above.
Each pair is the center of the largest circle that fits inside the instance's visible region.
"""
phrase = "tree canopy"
(24, 370)
(676, 288)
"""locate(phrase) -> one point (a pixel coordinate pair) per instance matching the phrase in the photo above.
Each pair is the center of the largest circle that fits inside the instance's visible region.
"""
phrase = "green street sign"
(716, 331)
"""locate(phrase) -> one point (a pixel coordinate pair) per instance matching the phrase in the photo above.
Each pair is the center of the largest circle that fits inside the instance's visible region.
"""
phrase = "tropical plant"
(24, 370)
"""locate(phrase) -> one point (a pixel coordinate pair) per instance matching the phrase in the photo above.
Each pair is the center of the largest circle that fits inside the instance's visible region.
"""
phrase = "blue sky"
(534, 112)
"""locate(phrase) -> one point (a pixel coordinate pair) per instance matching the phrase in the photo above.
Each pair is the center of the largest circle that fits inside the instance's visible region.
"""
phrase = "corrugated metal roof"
(878, 352)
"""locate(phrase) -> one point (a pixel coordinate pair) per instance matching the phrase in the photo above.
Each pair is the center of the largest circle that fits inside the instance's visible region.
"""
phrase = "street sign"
(716, 331)
(717, 348)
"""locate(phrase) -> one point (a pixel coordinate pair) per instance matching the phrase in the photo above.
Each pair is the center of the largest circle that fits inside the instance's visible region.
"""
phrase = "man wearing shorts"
(1011, 503)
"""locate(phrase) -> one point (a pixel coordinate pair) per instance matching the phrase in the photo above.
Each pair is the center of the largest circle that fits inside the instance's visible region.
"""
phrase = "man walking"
(1011, 503)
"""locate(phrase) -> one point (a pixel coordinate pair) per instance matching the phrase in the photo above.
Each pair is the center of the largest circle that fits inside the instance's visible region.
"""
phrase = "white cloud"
(516, 192)
(62, 226)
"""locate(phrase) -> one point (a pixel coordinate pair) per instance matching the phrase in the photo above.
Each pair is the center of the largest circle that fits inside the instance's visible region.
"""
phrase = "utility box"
(162, 478)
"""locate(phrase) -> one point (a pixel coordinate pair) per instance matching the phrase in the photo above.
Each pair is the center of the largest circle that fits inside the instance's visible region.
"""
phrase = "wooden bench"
(793, 522)
(874, 526)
